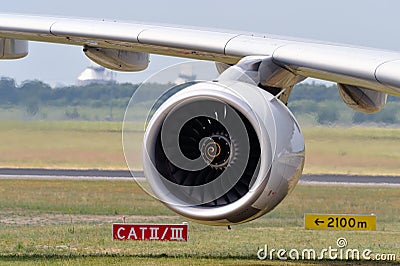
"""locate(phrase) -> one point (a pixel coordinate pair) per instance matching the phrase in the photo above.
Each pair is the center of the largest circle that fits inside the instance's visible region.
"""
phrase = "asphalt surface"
(326, 179)
(362, 179)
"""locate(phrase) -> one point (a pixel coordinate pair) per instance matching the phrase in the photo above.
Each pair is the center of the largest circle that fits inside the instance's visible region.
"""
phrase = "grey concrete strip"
(96, 174)
(346, 184)
(68, 172)
(331, 178)
(60, 177)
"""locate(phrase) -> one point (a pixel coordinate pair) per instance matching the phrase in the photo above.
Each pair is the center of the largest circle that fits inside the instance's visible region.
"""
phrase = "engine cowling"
(221, 153)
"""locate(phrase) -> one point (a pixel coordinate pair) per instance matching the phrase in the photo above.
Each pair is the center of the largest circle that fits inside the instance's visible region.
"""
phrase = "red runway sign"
(158, 232)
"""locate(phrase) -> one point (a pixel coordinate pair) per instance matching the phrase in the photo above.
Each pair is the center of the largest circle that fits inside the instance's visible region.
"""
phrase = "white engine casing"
(280, 148)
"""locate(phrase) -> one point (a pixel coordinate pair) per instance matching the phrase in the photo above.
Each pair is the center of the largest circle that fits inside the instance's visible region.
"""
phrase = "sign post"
(157, 232)
(340, 222)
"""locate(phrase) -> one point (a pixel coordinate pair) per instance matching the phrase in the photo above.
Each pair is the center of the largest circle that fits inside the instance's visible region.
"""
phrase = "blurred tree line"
(94, 95)
(317, 102)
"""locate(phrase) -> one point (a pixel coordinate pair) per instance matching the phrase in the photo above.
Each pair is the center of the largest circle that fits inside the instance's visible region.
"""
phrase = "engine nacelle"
(222, 153)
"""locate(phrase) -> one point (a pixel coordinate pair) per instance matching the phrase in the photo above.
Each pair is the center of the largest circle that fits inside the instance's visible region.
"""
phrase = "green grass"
(61, 144)
(59, 113)
(88, 144)
(69, 222)
(356, 150)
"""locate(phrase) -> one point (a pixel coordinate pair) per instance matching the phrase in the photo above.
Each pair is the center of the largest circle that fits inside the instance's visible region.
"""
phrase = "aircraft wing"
(362, 67)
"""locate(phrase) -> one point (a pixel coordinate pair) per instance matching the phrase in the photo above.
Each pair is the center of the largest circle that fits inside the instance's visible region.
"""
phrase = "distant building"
(95, 75)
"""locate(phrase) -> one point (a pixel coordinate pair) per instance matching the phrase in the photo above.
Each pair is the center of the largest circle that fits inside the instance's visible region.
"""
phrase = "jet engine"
(221, 152)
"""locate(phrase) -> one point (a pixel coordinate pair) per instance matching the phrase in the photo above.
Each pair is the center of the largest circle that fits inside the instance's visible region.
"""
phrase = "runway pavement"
(94, 174)
(350, 180)
(73, 174)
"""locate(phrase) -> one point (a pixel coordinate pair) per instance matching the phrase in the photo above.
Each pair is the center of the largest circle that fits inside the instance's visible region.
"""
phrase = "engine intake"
(222, 153)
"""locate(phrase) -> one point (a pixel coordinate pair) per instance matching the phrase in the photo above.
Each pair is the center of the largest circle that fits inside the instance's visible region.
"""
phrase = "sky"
(357, 22)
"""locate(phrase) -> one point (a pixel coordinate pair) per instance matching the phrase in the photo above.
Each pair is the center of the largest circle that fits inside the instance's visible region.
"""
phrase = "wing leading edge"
(367, 68)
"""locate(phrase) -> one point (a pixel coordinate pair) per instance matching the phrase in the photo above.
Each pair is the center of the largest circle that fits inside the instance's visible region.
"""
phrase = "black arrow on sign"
(318, 221)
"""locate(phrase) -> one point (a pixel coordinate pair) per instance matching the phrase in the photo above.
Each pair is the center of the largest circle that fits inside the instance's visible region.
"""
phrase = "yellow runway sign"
(340, 222)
